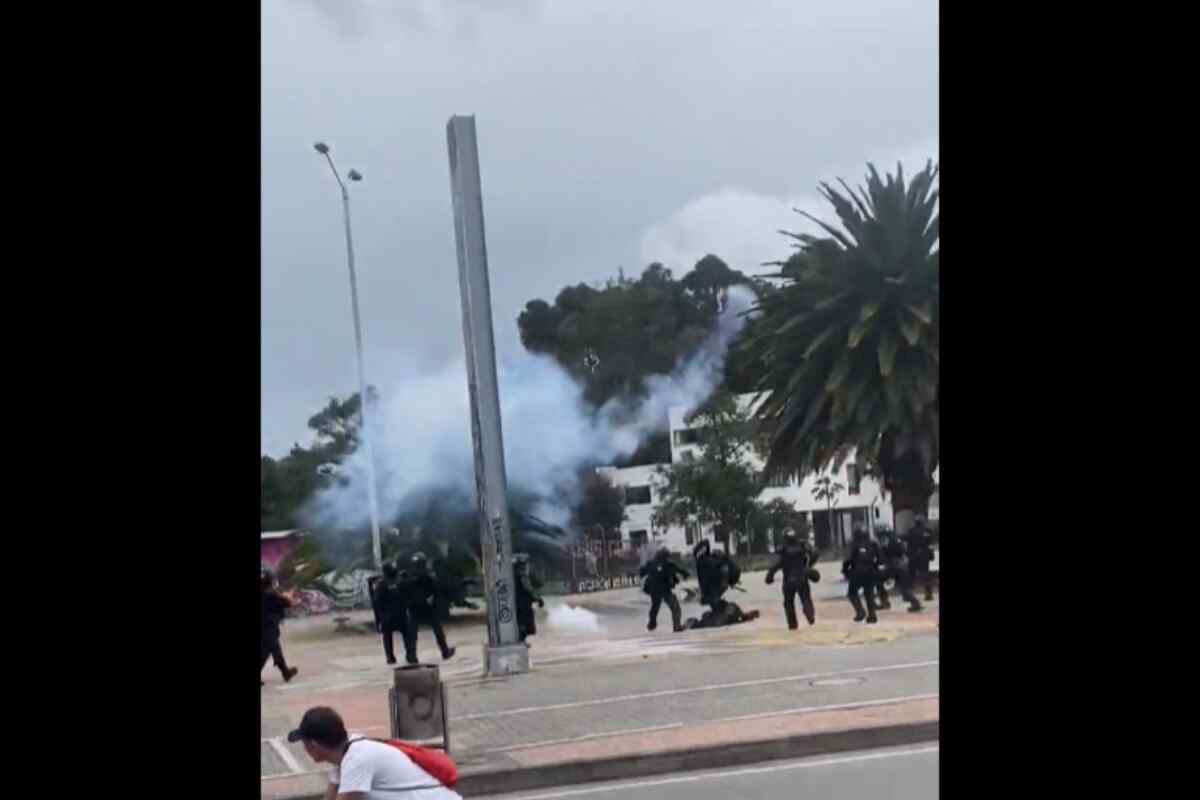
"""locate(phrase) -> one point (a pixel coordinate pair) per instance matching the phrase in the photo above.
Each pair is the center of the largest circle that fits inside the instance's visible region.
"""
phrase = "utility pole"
(504, 653)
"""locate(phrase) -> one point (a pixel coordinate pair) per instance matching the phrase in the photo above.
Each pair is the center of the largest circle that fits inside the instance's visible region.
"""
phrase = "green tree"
(337, 425)
(719, 486)
(613, 337)
(778, 516)
(826, 490)
(847, 349)
(710, 278)
(600, 511)
(601, 504)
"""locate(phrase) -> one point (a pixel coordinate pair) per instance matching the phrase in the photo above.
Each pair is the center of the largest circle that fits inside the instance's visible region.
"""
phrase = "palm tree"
(827, 490)
(847, 350)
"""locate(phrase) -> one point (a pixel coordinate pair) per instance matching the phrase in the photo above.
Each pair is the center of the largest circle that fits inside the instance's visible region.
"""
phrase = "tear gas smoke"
(421, 430)
(572, 619)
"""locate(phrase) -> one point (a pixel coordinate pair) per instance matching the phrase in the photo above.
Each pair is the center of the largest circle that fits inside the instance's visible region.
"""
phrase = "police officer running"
(390, 609)
(274, 607)
(919, 541)
(661, 575)
(418, 591)
(796, 560)
(861, 569)
(895, 556)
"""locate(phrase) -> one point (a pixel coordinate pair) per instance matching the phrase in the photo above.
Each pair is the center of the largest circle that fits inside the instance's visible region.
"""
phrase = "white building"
(861, 501)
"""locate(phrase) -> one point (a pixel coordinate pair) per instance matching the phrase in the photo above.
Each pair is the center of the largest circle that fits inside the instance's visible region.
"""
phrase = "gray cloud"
(612, 133)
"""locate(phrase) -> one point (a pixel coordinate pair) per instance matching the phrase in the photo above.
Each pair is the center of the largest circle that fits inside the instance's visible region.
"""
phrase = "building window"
(687, 456)
(686, 436)
(637, 496)
(692, 532)
(637, 539)
(853, 479)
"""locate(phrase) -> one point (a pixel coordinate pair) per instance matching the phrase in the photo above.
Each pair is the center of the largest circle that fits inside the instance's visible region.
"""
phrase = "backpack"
(439, 765)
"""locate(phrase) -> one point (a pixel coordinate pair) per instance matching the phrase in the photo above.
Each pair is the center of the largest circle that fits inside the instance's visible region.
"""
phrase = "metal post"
(503, 653)
(372, 497)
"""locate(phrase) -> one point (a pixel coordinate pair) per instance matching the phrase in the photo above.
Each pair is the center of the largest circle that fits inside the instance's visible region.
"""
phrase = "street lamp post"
(376, 545)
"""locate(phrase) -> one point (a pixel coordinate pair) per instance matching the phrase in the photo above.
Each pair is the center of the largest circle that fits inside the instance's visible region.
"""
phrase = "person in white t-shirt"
(363, 769)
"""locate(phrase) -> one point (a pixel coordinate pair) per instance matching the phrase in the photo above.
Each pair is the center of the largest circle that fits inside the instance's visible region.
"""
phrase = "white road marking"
(730, 773)
(782, 713)
(584, 738)
(285, 755)
(708, 688)
(809, 709)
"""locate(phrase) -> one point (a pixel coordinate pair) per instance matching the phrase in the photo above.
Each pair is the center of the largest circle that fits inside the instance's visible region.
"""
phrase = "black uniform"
(391, 611)
(725, 613)
(661, 575)
(796, 559)
(883, 602)
(418, 591)
(526, 596)
(274, 606)
(920, 554)
(861, 569)
(895, 557)
(716, 572)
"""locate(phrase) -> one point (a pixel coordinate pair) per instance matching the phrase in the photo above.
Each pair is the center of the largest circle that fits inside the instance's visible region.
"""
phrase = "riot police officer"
(883, 602)
(796, 560)
(390, 609)
(896, 561)
(919, 541)
(526, 596)
(861, 569)
(716, 573)
(418, 591)
(274, 607)
(661, 575)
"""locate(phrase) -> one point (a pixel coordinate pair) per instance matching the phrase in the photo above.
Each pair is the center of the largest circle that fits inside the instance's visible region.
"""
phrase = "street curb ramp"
(737, 754)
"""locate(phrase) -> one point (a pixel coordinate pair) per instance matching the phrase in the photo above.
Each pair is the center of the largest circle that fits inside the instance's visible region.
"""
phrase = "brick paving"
(589, 692)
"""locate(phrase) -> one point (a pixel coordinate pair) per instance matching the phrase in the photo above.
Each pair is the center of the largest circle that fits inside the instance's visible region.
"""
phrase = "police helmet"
(390, 571)
(663, 554)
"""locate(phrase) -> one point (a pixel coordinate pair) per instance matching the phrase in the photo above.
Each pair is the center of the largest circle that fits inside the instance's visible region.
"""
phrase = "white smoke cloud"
(743, 226)
(421, 430)
(570, 619)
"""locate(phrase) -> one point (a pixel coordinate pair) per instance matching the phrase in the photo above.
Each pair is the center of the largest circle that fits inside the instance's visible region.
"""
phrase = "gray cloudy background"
(612, 133)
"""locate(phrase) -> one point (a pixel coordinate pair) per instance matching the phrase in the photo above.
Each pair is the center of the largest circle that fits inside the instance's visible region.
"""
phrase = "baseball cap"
(322, 725)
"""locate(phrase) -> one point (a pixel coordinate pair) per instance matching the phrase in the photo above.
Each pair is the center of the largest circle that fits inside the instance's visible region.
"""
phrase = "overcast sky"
(612, 133)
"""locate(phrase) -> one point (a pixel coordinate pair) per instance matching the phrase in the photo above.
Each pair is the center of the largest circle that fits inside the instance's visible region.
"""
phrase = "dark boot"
(288, 674)
(448, 653)
(859, 614)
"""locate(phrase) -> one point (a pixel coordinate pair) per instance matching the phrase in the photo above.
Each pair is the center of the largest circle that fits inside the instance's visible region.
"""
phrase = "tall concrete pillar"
(504, 653)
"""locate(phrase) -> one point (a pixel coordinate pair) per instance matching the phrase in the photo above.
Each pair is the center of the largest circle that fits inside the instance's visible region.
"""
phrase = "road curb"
(722, 755)
(733, 754)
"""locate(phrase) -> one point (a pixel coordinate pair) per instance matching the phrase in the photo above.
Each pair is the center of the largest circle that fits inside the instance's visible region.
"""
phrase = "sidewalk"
(619, 702)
